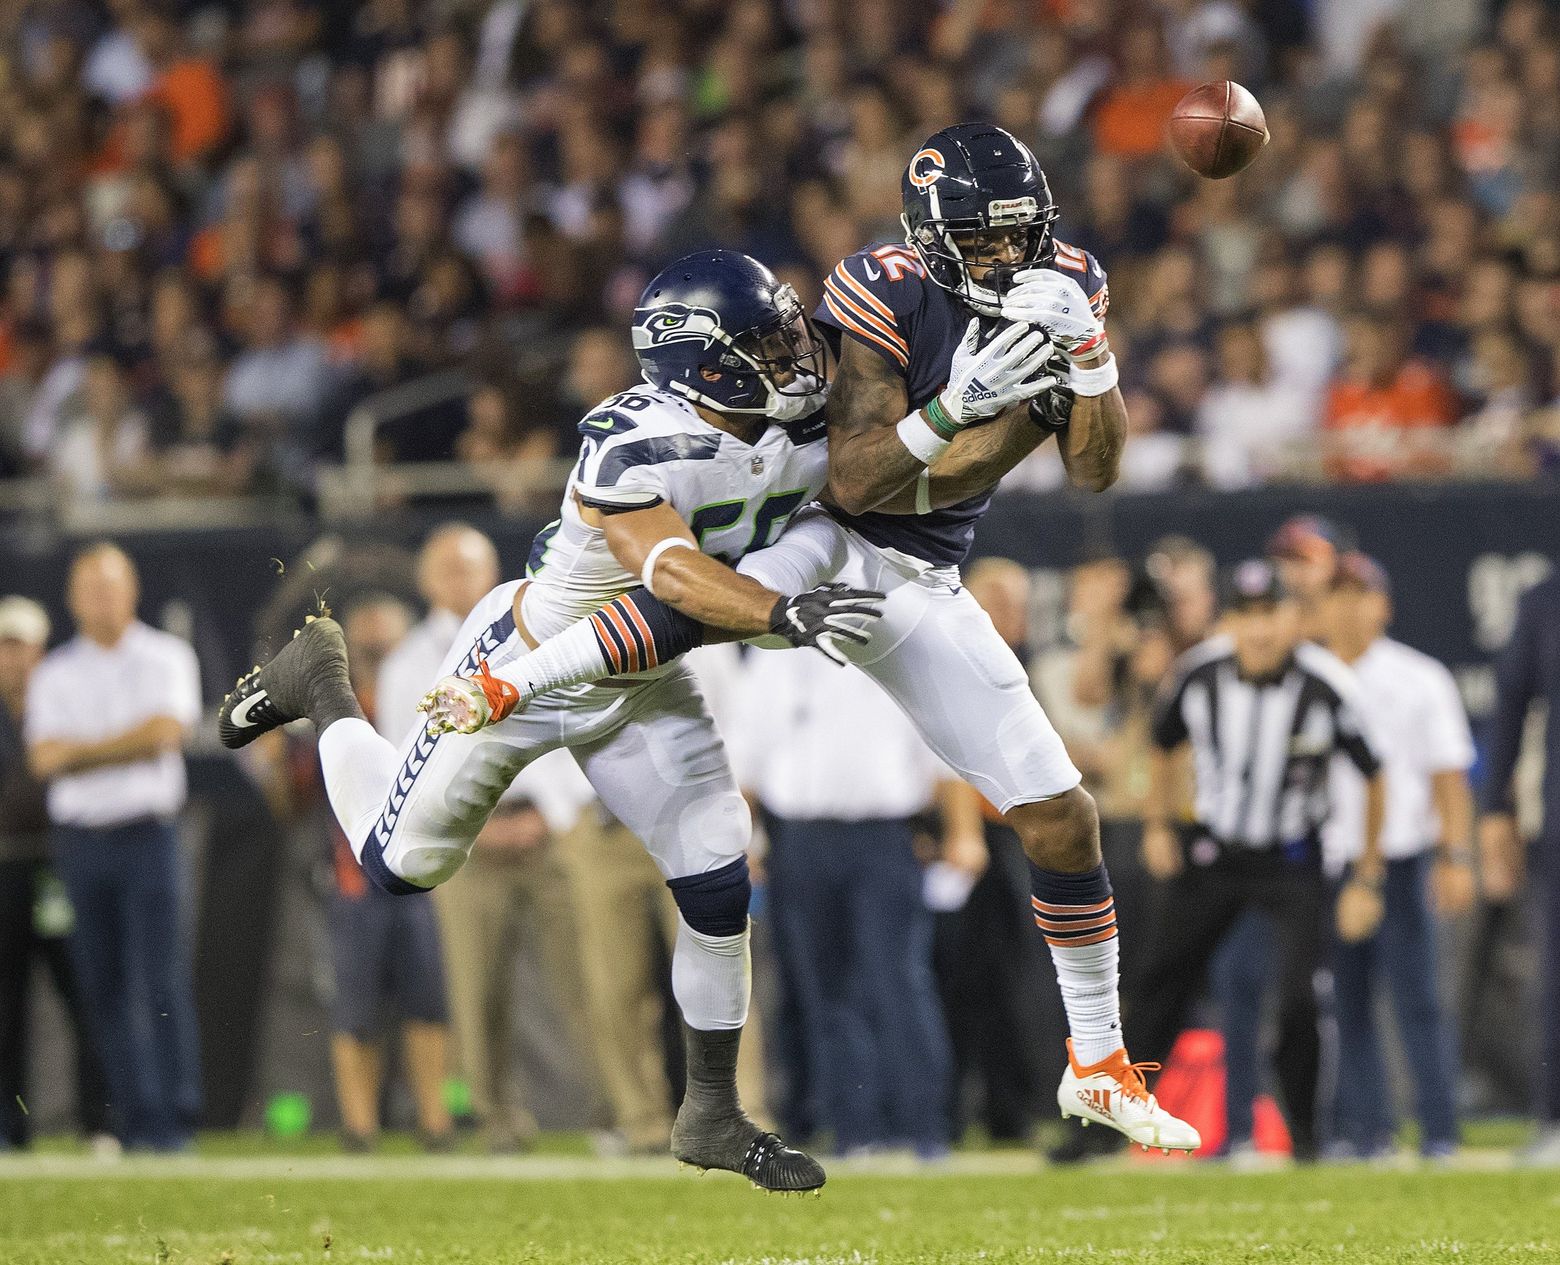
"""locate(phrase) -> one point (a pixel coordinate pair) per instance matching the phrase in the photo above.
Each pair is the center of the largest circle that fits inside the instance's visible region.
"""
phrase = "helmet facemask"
(950, 249)
(788, 359)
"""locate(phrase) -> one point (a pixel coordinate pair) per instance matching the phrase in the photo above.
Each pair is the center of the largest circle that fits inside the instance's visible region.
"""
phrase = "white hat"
(22, 619)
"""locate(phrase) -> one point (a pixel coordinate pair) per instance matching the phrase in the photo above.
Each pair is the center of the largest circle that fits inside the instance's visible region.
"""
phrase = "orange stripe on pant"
(1042, 907)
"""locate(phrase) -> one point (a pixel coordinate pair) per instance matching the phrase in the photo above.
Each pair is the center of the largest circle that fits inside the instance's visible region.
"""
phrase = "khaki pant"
(627, 923)
(495, 908)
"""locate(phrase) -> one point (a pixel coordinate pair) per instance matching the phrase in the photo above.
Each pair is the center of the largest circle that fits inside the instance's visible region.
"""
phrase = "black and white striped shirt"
(1261, 747)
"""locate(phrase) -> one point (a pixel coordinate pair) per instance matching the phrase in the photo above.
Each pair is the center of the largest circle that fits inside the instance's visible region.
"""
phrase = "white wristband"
(1095, 381)
(647, 572)
(925, 444)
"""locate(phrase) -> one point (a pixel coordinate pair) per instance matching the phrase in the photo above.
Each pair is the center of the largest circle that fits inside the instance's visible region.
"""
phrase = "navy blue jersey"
(881, 296)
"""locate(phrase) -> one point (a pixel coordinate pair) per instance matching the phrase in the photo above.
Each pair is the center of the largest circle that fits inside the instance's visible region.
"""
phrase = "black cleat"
(305, 679)
(737, 1145)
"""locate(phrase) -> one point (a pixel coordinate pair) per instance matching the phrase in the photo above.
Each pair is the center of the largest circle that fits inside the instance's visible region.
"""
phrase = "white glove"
(985, 381)
(1057, 304)
(801, 399)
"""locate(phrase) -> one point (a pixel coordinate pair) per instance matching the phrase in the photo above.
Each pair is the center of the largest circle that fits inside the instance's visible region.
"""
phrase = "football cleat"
(309, 670)
(740, 1146)
(465, 704)
(1112, 1092)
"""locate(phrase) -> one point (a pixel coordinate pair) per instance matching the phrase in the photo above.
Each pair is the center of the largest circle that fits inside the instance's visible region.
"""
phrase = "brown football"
(1218, 129)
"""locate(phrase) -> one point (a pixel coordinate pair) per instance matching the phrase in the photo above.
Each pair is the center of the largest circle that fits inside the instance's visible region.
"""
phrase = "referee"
(1264, 714)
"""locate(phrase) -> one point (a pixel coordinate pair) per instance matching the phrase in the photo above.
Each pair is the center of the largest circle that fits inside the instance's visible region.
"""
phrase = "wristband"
(1096, 381)
(916, 434)
(939, 420)
(647, 572)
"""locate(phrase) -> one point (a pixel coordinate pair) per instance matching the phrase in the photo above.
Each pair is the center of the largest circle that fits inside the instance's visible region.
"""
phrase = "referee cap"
(1254, 582)
(22, 619)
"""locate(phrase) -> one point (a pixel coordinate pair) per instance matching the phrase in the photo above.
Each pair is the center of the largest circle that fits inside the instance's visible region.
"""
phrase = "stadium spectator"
(1249, 421)
(512, 894)
(846, 885)
(277, 383)
(35, 913)
(1385, 411)
(106, 719)
(385, 950)
(1529, 672)
(1418, 724)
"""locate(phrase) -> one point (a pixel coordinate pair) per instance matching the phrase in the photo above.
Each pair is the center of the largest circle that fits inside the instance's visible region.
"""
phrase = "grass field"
(234, 1210)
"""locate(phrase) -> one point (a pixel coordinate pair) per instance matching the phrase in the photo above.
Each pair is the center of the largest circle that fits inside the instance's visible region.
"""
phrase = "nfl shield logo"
(757, 465)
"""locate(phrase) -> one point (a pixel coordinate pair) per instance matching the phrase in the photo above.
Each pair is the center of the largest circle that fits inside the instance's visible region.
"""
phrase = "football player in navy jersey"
(960, 351)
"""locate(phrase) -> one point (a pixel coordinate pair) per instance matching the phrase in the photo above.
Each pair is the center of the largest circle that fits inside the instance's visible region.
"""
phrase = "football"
(1218, 129)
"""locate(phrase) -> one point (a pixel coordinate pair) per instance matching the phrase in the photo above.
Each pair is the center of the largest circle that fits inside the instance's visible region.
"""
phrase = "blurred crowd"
(224, 225)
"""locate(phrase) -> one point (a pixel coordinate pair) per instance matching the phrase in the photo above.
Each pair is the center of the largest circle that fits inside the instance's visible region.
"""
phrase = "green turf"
(415, 1211)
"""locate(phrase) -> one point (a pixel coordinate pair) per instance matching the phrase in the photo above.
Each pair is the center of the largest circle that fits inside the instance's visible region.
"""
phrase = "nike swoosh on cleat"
(240, 714)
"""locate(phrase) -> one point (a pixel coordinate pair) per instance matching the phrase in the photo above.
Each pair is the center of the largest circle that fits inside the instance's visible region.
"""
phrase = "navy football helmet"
(722, 330)
(969, 187)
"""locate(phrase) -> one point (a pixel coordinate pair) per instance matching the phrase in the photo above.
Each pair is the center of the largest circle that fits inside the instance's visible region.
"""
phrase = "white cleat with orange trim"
(465, 704)
(1112, 1092)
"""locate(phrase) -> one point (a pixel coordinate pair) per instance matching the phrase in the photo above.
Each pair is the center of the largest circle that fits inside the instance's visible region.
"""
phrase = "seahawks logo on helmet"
(677, 323)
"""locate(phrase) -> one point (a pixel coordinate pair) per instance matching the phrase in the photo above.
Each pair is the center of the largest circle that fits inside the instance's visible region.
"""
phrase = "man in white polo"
(107, 715)
(1422, 734)
(514, 891)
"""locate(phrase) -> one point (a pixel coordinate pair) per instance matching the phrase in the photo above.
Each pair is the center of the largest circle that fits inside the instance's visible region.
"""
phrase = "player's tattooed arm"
(699, 586)
(868, 462)
(974, 463)
(1092, 443)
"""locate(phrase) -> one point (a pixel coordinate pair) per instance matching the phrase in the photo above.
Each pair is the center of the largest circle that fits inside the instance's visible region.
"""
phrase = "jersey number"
(773, 510)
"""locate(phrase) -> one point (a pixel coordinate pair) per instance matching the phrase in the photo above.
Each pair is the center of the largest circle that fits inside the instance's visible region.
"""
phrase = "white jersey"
(645, 447)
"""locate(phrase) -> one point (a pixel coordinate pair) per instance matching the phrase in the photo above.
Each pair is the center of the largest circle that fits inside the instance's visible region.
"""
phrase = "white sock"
(359, 767)
(1088, 978)
(1077, 915)
(572, 657)
(712, 978)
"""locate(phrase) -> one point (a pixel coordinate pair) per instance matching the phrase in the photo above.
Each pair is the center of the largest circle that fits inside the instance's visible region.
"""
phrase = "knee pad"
(715, 903)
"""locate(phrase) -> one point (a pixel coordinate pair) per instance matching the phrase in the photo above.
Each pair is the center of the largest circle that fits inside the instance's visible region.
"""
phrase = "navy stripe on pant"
(132, 964)
(856, 938)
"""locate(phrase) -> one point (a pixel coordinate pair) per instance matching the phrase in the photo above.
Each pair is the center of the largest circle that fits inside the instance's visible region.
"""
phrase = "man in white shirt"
(1426, 751)
(839, 773)
(513, 891)
(107, 715)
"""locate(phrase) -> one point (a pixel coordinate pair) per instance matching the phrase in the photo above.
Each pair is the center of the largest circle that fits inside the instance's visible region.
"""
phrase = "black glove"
(1051, 410)
(823, 616)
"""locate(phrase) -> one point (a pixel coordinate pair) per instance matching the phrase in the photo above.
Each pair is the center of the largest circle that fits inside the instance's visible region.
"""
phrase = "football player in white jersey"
(961, 349)
(676, 480)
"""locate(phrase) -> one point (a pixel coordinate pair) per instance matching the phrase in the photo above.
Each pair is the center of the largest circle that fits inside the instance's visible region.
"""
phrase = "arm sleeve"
(628, 470)
(871, 297)
(1516, 676)
(1448, 742)
(182, 700)
(43, 718)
